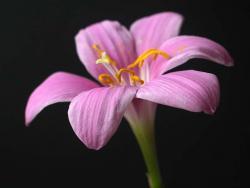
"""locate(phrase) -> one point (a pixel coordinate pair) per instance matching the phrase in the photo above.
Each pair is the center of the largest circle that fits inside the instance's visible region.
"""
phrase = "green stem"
(144, 133)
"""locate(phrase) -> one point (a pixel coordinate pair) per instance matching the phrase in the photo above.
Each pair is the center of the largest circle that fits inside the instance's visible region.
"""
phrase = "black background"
(195, 150)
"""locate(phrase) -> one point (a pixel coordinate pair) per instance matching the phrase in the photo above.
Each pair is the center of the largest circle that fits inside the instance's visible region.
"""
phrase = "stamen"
(135, 79)
(115, 76)
(119, 73)
(141, 59)
(106, 79)
(103, 56)
(105, 59)
(156, 53)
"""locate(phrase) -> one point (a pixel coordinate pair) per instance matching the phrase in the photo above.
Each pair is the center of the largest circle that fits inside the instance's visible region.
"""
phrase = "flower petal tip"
(27, 120)
(29, 112)
(228, 59)
(210, 111)
(29, 115)
(230, 62)
(166, 24)
(58, 87)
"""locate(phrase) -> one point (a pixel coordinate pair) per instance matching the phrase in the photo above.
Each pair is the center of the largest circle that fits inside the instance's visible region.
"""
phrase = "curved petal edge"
(183, 48)
(96, 114)
(152, 31)
(190, 90)
(59, 87)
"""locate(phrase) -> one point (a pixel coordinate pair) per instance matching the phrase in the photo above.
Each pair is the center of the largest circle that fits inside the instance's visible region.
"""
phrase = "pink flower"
(132, 68)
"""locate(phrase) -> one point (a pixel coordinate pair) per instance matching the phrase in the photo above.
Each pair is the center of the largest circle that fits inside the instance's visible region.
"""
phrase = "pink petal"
(191, 90)
(184, 48)
(59, 87)
(150, 32)
(112, 37)
(96, 114)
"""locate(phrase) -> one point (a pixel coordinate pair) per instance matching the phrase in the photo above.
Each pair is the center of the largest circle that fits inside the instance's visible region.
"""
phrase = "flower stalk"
(144, 133)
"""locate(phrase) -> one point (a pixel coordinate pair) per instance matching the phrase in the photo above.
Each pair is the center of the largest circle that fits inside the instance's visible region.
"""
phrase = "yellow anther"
(119, 73)
(103, 56)
(135, 79)
(106, 79)
(141, 59)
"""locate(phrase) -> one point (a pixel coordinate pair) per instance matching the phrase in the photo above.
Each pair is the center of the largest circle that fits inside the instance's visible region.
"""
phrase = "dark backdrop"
(195, 150)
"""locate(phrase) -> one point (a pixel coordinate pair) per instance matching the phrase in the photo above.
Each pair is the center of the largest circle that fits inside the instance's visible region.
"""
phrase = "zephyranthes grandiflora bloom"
(132, 67)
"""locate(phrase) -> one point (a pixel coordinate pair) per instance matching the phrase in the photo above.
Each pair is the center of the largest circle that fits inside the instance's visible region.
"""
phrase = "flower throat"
(115, 76)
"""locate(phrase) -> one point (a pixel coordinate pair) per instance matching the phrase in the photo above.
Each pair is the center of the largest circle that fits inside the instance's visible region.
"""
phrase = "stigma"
(116, 76)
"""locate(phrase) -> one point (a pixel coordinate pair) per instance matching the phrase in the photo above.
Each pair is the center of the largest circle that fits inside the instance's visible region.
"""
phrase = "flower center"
(116, 76)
